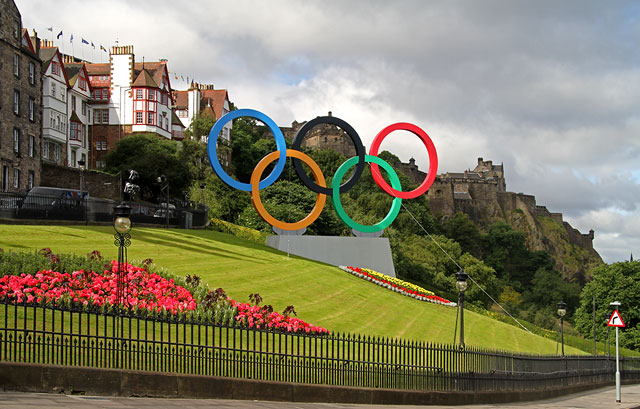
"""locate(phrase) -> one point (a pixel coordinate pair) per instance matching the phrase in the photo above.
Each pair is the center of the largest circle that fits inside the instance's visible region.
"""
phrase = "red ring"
(431, 150)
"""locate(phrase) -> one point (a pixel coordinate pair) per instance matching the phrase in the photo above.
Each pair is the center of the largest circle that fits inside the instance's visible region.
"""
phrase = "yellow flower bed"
(398, 282)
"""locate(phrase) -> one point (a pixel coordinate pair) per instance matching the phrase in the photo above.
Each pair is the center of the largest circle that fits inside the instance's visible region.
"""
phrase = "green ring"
(395, 206)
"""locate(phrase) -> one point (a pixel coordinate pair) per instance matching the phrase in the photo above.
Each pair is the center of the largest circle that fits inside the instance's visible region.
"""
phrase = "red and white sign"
(615, 320)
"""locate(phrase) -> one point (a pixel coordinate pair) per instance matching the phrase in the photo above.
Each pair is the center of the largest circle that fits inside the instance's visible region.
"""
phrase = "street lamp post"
(202, 186)
(562, 311)
(81, 163)
(461, 285)
(122, 226)
(165, 188)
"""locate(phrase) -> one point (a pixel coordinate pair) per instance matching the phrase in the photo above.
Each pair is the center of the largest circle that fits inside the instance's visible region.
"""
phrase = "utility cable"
(460, 267)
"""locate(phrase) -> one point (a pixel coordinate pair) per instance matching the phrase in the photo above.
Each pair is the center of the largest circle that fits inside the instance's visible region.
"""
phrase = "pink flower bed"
(145, 290)
(255, 316)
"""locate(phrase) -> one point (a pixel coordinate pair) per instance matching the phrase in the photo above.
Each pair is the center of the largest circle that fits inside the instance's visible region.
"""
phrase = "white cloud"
(549, 88)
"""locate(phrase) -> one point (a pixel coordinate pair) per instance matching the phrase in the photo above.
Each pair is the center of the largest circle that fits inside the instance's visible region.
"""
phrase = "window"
(16, 140)
(45, 150)
(101, 116)
(100, 164)
(32, 109)
(30, 180)
(32, 146)
(52, 119)
(105, 116)
(84, 107)
(73, 102)
(32, 73)
(16, 65)
(63, 95)
(82, 83)
(139, 94)
(105, 93)
(55, 68)
(53, 89)
(84, 136)
(75, 133)
(56, 153)
(152, 95)
(138, 117)
(16, 178)
(72, 162)
(16, 102)
(150, 117)
(5, 178)
(101, 145)
(164, 99)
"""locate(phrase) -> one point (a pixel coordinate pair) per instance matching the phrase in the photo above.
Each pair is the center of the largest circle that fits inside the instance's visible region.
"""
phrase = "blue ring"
(277, 134)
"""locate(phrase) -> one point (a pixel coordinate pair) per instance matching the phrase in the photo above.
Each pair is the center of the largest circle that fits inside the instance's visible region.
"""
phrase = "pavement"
(604, 398)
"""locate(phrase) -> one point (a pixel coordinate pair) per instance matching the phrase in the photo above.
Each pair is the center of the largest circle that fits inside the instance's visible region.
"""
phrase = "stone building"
(324, 136)
(20, 101)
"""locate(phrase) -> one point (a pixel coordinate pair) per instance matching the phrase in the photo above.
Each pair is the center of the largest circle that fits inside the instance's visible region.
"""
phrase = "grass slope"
(322, 294)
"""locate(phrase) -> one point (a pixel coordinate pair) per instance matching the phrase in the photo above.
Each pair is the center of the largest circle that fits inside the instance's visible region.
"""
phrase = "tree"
(201, 126)
(194, 155)
(151, 156)
(461, 229)
(615, 282)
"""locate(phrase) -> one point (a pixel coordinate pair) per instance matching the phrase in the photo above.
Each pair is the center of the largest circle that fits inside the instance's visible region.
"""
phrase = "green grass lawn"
(321, 294)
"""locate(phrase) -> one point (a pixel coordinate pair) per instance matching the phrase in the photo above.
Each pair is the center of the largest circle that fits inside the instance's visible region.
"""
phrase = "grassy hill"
(322, 294)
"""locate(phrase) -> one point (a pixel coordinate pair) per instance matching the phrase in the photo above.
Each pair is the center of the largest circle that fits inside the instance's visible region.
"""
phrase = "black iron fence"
(44, 207)
(175, 344)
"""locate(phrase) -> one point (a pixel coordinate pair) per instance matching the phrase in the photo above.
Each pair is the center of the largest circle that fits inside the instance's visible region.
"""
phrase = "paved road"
(599, 399)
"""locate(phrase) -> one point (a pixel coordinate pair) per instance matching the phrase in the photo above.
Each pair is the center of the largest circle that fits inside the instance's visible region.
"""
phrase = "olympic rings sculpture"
(319, 185)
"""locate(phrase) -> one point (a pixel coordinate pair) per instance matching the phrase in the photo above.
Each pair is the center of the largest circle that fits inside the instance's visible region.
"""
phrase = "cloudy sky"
(549, 88)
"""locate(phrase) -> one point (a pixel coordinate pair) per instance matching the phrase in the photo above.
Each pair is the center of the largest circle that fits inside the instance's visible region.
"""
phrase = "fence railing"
(175, 344)
(23, 206)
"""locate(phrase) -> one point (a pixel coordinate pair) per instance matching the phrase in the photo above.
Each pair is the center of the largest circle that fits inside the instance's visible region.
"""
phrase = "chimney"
(36, 41)
(330, 113)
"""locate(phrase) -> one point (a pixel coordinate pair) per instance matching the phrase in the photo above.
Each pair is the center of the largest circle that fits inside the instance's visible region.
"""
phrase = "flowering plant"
(146, 290)
(397, 285)
(256, 316)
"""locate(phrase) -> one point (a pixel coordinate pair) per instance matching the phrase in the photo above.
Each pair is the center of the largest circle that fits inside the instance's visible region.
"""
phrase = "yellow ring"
(255, 191)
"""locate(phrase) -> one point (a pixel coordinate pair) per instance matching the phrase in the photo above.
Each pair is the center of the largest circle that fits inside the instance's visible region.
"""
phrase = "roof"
(99, 69)
(175, 121)
(214, 98)
(47, 54)
(155, 71)
(73, 70)
(75, 117)
(181, 99)
(144, 79)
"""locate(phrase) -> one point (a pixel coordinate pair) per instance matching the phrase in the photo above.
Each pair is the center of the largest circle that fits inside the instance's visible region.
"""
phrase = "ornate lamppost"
(202, 186)
(122, 226)
(165, 188)
(461, 285)
(562, 311)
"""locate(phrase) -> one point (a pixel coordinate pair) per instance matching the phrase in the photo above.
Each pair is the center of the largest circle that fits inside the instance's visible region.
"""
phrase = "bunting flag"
(59, 35)
(93, 46)
(71, 39)
(50, 29)
(85, 41)
(102, 48)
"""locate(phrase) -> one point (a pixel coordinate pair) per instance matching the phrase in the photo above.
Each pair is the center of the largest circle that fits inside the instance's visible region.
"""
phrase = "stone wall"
(110, 134)
(98, 184)
(19, 164)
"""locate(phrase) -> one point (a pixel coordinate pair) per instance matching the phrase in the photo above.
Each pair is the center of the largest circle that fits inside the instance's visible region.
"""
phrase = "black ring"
(357, 142)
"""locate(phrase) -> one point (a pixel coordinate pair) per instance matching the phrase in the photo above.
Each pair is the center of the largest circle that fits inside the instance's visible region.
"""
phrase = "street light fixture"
(461, 285)
(122, 226)
(562, 311)
(165, 188)
(202, 186)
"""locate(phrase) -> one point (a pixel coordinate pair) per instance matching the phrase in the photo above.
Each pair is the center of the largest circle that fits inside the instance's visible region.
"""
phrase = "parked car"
(162, 211)
(41, 197)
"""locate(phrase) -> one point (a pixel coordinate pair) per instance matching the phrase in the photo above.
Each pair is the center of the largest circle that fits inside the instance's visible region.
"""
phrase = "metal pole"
(595, 351)
(562, 333)
(618, 399)
(461, 301)
(167, 205)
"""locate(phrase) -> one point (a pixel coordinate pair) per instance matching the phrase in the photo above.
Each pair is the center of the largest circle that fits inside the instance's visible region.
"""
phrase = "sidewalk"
(599, 399)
